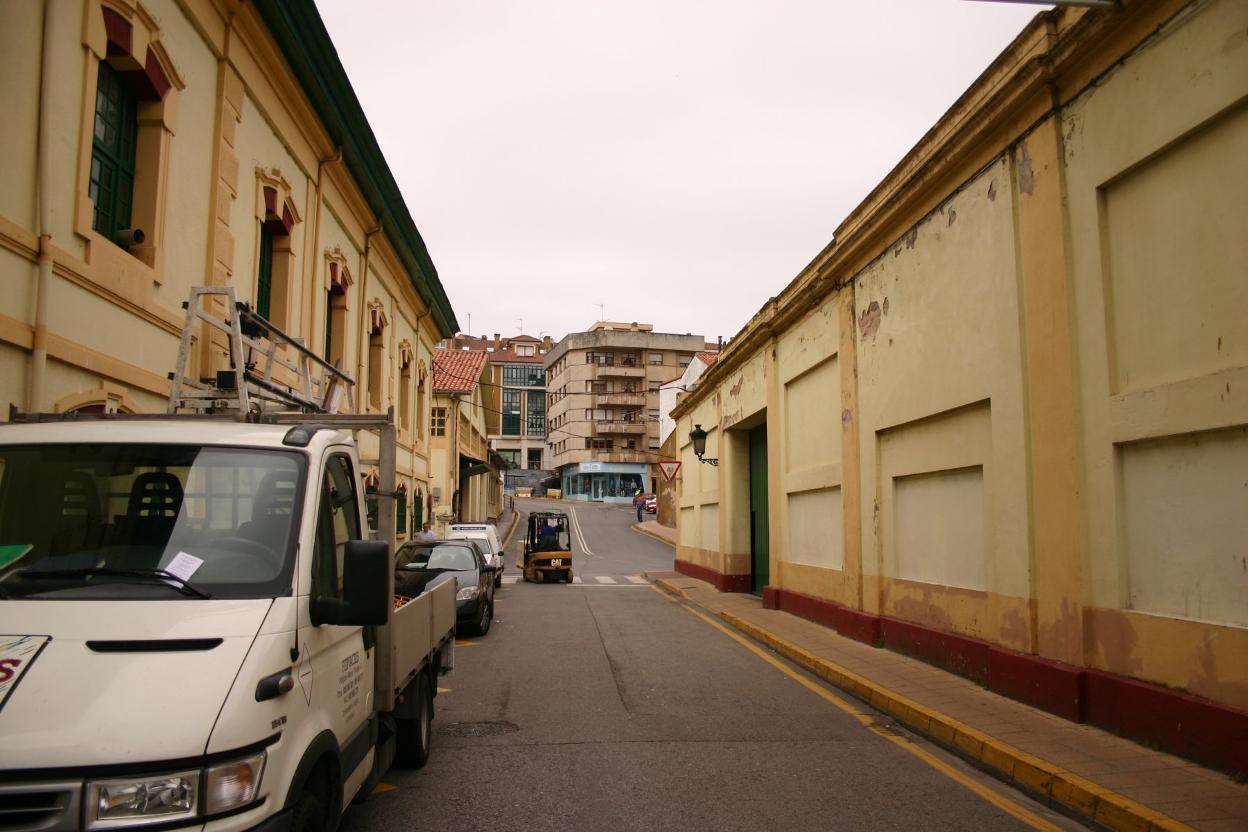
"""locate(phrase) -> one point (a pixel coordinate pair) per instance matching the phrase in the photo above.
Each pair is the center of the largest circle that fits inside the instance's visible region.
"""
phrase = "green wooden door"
(759, 549)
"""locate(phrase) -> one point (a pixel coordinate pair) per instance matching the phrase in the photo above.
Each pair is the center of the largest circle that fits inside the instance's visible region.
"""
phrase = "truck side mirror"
(366, 595)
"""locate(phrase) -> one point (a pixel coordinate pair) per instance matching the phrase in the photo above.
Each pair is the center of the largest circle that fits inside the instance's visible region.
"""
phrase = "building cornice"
(300, 34)
(1052, 61)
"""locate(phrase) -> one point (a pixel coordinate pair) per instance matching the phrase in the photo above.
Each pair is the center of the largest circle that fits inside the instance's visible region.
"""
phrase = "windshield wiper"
(160, 575)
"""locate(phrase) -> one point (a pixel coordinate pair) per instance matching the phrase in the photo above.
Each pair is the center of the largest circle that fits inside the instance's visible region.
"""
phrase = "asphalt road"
(608, 705)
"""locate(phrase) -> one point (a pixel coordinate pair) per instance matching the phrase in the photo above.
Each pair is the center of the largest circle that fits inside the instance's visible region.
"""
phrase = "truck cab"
(196, 631)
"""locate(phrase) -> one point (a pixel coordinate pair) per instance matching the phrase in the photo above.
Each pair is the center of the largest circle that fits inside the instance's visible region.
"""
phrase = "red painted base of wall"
(1176, 722)
(722, 582)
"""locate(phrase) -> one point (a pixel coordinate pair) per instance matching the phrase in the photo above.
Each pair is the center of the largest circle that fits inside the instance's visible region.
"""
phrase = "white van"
(486, 533)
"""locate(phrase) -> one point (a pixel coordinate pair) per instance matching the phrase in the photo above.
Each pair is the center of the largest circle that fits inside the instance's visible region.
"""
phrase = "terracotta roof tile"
(708, 358)
(457, 371)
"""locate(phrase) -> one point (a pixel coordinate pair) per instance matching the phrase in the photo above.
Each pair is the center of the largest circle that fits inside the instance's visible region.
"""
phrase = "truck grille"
(39, 807)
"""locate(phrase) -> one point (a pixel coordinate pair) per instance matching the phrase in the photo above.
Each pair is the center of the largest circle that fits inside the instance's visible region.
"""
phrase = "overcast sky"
(677, 161)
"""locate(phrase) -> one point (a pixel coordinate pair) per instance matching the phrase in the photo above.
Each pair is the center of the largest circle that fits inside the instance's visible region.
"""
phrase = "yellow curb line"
(1031, 773)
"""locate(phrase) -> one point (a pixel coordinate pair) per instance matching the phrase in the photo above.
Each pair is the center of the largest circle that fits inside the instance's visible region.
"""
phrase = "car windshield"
(458, 558)
(136, 521)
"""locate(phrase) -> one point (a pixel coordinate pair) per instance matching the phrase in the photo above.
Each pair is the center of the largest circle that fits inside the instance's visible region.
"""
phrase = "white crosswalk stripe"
(637, 579)
(604, 579)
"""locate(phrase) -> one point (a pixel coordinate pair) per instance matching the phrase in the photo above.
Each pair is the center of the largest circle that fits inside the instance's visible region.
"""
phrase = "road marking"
(636, 579)
(576, 579)
(444, 690)
(580, 536)
(510, 579)
(869, 721)
(382, 788)
(604, 579)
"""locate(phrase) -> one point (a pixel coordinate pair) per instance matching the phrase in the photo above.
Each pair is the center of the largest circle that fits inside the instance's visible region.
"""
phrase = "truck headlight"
(137, 801)
(230, 785)
(165, 798)
(468, 593)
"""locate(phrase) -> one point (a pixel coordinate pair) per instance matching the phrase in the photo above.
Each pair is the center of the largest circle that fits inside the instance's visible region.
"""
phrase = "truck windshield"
(135, 521)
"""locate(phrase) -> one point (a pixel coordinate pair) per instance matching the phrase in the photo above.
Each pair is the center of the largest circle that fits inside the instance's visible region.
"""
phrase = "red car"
(652, 503)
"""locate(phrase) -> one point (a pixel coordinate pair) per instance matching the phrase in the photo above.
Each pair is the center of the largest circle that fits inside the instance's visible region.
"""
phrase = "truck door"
(341, 669)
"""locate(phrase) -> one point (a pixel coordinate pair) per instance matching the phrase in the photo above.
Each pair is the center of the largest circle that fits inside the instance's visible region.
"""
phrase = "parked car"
(652, 503)
(422, 564)
(487, 535)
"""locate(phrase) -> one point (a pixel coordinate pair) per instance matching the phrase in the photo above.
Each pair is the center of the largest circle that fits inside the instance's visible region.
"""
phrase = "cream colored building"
(467, 484)
(225, 131)
(1001, 421)
(603, 418)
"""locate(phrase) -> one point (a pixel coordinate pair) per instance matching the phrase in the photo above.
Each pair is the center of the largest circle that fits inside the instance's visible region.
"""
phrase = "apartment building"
(603, 417)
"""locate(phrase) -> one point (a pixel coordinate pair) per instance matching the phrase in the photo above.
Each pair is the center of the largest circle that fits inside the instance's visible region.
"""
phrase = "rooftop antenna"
(470, 324)
(521, 320)
(602, 315)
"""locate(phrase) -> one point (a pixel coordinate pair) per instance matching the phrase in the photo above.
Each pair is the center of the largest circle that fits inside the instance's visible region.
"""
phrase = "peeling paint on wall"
(992, 191)
(847, 419)
(869, 320)
(885, 306)
(953, 215)
(912, 237)
(1026, 177)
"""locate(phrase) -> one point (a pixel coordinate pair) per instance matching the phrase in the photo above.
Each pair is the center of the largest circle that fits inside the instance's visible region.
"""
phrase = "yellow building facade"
(165, 144)
(1001, 421)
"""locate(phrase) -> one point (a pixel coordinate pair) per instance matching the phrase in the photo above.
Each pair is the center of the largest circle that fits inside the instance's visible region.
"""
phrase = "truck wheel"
(308, 815)
(485, 619)
(415, 736)
(567, 576)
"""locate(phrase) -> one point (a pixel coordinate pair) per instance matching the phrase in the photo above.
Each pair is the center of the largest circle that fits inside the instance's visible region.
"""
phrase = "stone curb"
(1028, 772)
(640, 529)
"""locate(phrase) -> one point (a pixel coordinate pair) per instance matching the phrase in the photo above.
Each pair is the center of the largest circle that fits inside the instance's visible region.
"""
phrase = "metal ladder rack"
(268, 368)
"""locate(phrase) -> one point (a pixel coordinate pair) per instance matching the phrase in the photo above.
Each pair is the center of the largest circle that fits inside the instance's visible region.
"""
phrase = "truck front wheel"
(308, 815)
(415, 735)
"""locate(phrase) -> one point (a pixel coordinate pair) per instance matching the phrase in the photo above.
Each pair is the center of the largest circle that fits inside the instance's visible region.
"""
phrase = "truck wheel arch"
(319, 760)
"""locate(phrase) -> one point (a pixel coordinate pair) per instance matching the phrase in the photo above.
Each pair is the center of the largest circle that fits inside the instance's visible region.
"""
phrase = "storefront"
(610, 482)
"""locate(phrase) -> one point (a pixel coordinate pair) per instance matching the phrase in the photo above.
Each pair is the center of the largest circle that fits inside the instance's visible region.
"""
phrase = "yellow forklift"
(548, 547)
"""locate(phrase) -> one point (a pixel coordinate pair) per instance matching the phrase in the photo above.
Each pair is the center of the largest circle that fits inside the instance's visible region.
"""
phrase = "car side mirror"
(366, 593)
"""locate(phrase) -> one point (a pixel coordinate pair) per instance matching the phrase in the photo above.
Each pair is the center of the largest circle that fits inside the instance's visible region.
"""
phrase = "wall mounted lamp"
(698, 437)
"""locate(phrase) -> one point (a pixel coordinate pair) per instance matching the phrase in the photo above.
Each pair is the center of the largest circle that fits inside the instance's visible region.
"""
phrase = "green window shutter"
(114, 136)
(264, 274)
(400, 512)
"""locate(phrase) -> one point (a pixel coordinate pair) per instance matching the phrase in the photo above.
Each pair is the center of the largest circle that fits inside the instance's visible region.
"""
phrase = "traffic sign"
(669, 467)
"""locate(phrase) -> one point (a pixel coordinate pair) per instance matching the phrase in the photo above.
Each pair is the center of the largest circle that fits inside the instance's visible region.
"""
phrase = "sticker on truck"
(17, 654)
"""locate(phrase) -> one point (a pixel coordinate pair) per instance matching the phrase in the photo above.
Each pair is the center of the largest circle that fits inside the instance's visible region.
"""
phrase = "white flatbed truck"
(195, 629)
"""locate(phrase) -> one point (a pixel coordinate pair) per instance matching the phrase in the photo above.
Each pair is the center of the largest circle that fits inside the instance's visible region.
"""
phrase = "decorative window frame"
(127, 36)
(276, 209)
(337, 283)
(407, 359)
(114, 398)
(376, 373)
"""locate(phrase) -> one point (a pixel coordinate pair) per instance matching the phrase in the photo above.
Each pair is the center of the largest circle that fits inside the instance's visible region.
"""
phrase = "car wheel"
(485, 618)
(567, 576)
(415, 736)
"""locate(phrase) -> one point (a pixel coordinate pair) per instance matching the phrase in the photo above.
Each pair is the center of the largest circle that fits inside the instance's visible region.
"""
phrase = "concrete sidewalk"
(656, 530)
(1111, 781)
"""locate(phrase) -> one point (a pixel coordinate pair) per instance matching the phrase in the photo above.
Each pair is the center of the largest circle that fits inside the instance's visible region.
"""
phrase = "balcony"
(618, 371)
(612, 427)
(620, 399)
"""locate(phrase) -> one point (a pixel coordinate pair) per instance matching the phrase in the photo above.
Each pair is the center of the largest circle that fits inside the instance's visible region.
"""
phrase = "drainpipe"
(362, 352)
(36, 381)
(316, 241)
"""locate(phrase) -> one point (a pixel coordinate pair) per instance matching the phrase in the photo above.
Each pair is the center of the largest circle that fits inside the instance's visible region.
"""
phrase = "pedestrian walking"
(425, 533)
(639, 503)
